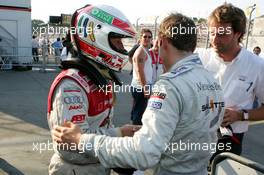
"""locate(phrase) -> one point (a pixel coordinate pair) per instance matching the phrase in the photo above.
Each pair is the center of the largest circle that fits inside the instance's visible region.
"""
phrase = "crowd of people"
(59, 48)
(181, 95)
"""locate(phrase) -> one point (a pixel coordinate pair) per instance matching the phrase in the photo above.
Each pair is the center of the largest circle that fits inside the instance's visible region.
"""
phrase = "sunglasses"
(149, 37)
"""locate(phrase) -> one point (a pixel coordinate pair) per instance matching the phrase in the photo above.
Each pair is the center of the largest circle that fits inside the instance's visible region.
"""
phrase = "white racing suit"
(178, 134)
(74, 97)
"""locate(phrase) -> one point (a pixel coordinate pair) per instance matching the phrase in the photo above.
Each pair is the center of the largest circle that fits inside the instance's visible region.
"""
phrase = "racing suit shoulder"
(70, 103)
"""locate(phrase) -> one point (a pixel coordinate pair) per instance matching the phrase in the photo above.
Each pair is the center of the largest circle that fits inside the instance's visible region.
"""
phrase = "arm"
(256, 114)
(70, 104)
(69, 100)
(144, 149)
(140, 58)
(232, 116)
(131, 53)
(253, 114)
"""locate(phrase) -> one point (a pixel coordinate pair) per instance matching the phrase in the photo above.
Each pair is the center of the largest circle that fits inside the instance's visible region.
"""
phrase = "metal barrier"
(6, 63)
(231, 164)
(45, 62)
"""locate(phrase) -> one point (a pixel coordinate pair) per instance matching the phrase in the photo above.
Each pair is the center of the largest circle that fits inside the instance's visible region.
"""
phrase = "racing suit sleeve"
(70, 103)
(144, 149)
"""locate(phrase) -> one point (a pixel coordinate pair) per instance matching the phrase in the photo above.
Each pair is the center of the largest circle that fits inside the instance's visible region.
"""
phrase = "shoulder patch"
(154, 104)
(180, 70)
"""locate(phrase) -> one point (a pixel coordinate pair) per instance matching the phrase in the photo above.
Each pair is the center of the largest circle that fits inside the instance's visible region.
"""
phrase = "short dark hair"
(180, 31)
(227, 13)
(257, 47)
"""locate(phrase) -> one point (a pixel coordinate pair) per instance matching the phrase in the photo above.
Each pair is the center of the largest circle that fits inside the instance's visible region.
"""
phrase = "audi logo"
(73, 100)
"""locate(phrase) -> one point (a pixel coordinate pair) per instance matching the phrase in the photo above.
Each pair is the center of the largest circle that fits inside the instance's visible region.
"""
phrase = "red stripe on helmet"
(88, 49)
(123, 25)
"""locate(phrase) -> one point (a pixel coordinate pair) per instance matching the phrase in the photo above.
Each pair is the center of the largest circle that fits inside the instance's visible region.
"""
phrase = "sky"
(146, 10)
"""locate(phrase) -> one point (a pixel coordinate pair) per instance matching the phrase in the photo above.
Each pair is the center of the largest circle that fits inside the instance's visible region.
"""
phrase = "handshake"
(71, 133)
(129, 130)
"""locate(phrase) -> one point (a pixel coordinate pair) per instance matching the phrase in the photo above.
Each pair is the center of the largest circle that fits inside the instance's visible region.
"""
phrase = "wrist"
(119, 132)
(245, 115)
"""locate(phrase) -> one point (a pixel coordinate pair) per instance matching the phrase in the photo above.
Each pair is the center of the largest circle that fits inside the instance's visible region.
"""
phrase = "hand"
(68, 133)
(129, 130)
(231, 116)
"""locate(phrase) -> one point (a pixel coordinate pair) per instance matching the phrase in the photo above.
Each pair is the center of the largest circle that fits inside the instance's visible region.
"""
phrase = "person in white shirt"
(142, 77)
(239, 72)
(35, 47)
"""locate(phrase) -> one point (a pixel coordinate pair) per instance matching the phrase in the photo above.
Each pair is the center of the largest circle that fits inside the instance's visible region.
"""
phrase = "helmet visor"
(120, 43)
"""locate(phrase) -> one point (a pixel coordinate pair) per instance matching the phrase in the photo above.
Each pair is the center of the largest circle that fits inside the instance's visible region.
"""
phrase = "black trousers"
(139, 105)
(35, 54)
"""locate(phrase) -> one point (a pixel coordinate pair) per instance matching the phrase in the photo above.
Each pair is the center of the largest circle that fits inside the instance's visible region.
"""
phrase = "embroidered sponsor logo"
(103, 105)
(102, 15)
(196, 60)
(78, 118)
(159, 95)
(75, 107)
(114, 61)
(208, 87)
(155, 104)
(212, 105)
(73, 100)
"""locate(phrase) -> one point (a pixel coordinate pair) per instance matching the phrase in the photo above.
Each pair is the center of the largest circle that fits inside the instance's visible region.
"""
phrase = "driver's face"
(117, 42)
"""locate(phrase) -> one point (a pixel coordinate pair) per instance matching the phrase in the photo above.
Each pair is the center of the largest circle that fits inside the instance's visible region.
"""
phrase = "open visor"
(120, 43)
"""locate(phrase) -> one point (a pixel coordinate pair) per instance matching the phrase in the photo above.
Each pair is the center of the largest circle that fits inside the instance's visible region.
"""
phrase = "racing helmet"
(101, 34)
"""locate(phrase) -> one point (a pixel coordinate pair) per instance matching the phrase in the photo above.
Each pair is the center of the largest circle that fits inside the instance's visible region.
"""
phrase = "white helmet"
(99, 35)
